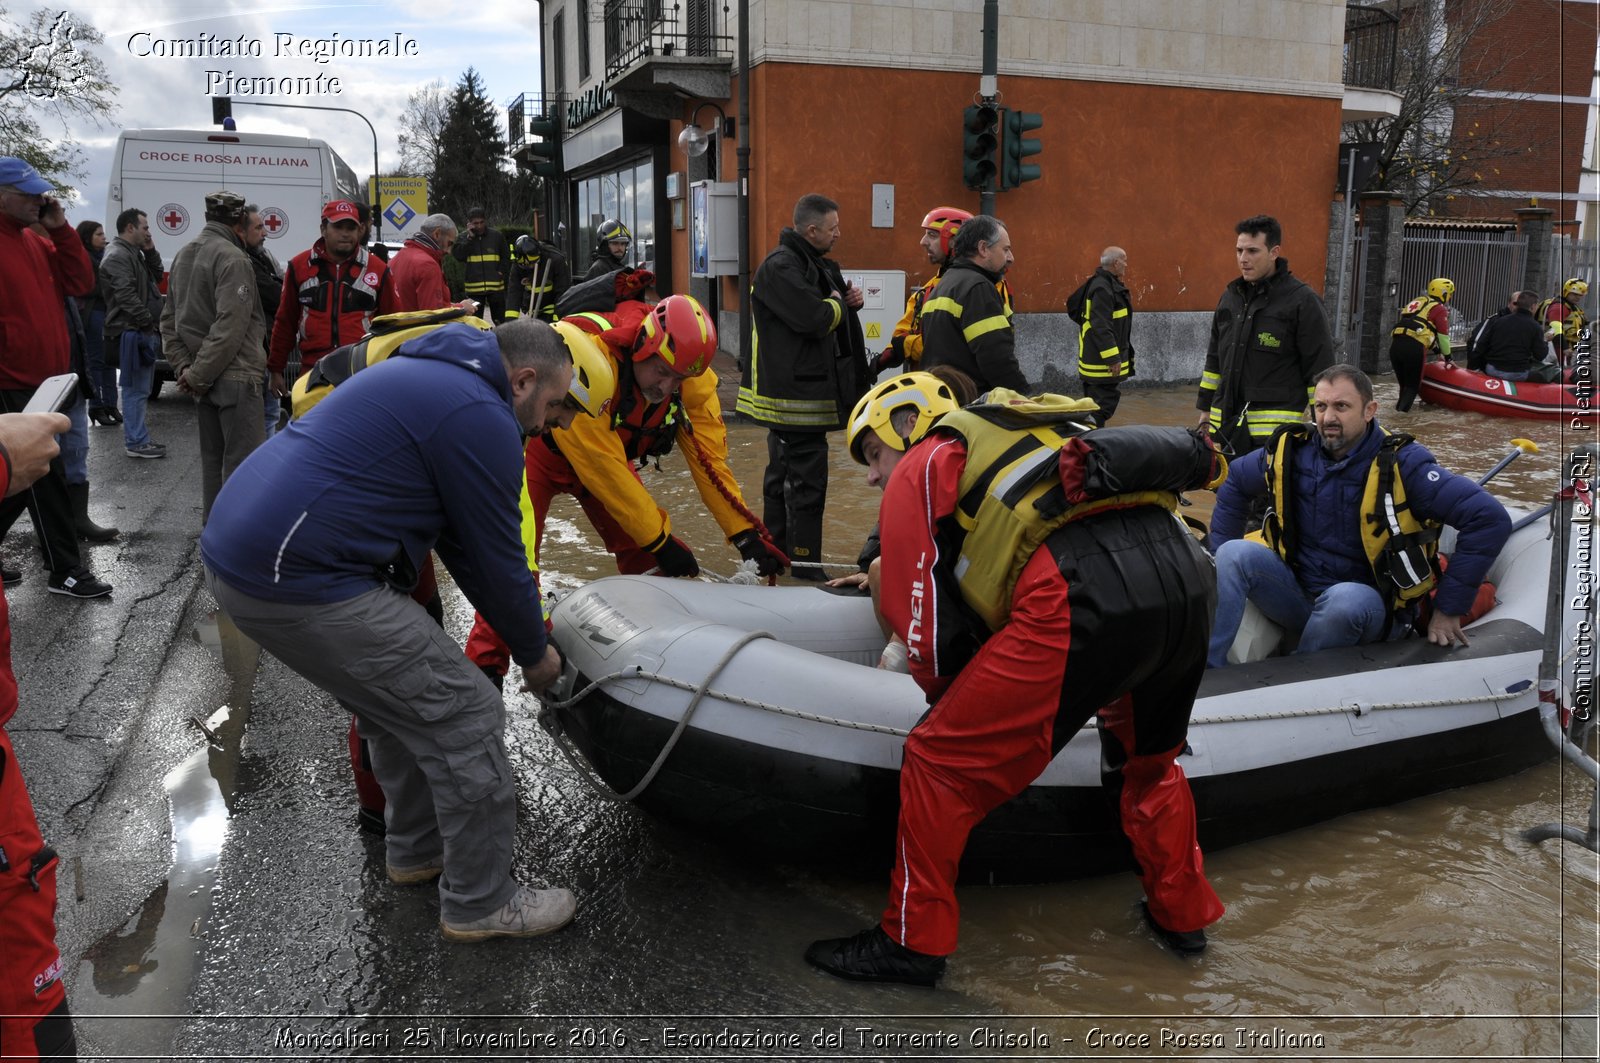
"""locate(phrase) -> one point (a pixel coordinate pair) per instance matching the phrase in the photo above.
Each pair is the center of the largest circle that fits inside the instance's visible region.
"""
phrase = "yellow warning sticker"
(874, 330)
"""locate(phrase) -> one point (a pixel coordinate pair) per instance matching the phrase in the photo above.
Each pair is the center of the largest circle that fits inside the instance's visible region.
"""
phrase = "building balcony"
(661, 52)
(1371, 42)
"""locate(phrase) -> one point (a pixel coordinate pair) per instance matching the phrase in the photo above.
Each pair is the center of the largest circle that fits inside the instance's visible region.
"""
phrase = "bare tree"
(1444, 140)
(422, 129)
(48, 71)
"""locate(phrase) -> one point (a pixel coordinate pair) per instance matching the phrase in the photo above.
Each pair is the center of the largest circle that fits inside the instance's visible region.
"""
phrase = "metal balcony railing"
(1371, 39)
(528, 105)
(637, 28)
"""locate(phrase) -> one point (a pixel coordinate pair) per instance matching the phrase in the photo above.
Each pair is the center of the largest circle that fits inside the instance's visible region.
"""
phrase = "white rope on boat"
(1361, 708)
(552, 726)
(702, 688)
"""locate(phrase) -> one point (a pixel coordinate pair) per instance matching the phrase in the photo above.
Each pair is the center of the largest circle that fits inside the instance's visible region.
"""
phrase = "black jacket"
(555, 277)
(1269, 340)
(808, 359)
(1107, 332)
(966, 301)
(1513, 343)
(486, 258)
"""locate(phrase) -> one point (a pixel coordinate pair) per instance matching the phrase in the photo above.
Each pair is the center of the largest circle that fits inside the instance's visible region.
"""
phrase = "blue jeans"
(102, 374)
(270, 406)
(136, 382)
(1346, 614)
(74, 443)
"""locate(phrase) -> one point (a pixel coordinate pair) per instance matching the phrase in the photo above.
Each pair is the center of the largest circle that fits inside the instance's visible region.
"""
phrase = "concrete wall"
(1169, 348)
(1279, 46)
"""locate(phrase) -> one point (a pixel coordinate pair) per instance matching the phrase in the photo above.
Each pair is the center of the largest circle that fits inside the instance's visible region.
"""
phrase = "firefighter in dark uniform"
(611, 242)
(807, 367)
(1105, 339)
(539, 276)
(486, 255)
(1269, 340)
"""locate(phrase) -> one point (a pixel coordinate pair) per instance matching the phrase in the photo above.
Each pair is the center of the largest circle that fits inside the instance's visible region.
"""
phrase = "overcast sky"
(497, 37)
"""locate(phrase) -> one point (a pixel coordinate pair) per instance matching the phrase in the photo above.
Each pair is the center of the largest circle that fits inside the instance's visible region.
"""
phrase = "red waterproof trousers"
(34, 1020)
(1110, 617)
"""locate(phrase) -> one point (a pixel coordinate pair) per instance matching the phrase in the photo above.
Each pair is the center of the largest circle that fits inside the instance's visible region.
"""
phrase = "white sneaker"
(527, 914)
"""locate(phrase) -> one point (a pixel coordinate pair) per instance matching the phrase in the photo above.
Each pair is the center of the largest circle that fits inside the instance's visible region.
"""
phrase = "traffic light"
(1014, 147)
(980, 136)
(221, 109)
(547, 150)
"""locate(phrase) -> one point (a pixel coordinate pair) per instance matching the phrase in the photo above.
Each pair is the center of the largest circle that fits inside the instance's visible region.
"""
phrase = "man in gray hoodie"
(212, 329)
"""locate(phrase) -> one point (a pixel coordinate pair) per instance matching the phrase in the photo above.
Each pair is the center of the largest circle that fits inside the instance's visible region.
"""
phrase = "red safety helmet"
(946, 221)
(680, 331)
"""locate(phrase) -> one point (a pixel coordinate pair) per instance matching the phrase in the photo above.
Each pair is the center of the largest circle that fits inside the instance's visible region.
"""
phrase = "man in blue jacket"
(1352, 546)
(313, 544)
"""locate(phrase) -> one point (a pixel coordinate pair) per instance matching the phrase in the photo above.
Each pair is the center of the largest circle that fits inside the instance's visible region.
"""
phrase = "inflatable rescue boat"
(1458, 388)
(755, 714)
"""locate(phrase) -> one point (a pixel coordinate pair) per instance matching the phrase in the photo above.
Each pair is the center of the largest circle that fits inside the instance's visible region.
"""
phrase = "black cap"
(477, 212)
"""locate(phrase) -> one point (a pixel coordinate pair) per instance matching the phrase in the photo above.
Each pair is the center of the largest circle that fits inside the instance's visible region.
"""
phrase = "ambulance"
(167, 173)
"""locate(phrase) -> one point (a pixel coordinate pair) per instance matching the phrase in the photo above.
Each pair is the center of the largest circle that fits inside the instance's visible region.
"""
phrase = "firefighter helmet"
(1577, 286)
(610, 230)
(594, 375)
(945, 221)
(680, 331)
(930, 396)
(1442, 288)
(527, 251)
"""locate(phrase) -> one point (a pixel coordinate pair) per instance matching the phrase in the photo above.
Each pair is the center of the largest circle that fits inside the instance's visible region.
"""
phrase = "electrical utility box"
(883, 295)
(713, 229)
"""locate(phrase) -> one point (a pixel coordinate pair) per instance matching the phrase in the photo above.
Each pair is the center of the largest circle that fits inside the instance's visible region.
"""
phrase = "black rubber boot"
(872, 956)
(88, 530)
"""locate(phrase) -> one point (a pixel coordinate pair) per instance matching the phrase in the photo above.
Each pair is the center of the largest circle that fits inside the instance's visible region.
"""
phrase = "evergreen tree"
(472, 152)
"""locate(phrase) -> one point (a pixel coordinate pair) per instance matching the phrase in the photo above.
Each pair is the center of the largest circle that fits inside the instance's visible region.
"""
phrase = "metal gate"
(1486, 266)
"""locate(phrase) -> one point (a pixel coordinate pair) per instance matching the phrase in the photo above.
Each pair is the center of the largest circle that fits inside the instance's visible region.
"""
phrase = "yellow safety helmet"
(594, 374)
(1442, 288)
(931, 397)
(1576, 286)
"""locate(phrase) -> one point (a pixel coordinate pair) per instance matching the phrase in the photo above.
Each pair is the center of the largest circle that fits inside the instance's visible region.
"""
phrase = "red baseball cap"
(341, 209)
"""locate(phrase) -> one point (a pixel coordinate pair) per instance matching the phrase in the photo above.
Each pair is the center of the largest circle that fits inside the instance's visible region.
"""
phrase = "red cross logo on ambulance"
(276, 221)
(173, 219)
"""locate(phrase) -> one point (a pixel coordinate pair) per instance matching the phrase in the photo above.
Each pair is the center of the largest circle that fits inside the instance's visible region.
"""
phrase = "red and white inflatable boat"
(1446, 384)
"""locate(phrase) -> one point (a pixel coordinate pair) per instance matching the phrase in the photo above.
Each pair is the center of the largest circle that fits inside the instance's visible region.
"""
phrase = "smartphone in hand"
(54, 395)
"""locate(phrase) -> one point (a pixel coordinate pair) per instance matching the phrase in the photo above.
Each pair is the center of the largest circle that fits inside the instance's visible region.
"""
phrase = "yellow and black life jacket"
(1571, 325)
(1415, 324)
(387, 334)
(1402, 550)
(1012, 494)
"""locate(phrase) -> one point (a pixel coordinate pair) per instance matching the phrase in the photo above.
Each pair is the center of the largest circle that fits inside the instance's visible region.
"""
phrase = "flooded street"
(1428, 930)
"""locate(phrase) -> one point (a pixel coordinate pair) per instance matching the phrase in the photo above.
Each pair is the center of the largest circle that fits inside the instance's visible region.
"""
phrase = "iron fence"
(1571, 257)
(1371, 35)
(1486, 267)
(637, 28)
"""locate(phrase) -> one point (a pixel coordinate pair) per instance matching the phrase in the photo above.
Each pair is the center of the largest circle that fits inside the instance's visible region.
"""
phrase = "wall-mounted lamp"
(694, 140)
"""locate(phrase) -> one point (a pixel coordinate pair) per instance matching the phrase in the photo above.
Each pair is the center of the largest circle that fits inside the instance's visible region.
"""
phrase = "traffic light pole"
(988, 83)
(377, 216)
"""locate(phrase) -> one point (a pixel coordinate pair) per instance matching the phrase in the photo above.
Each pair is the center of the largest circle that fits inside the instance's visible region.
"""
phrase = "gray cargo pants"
(434, 725)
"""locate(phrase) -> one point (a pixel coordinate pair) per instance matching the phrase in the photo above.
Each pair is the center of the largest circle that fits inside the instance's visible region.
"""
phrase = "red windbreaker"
(37, 275)
(327, 303)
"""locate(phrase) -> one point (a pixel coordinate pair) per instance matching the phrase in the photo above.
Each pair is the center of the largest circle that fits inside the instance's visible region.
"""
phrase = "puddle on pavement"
(145, 966)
